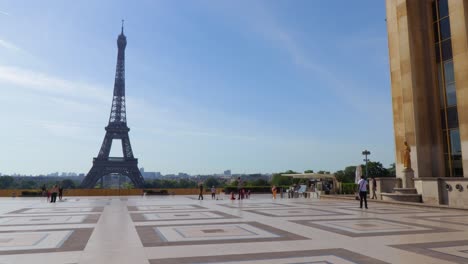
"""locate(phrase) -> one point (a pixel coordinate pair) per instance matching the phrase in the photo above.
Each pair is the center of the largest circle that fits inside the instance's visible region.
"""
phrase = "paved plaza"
(181, 229)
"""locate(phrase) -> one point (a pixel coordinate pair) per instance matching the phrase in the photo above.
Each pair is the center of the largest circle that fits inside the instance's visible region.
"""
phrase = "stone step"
(405, 191)
(414, 198)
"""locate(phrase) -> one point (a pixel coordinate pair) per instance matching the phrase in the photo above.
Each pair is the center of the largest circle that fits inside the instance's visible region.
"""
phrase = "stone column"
(415, 95)
(458, 11)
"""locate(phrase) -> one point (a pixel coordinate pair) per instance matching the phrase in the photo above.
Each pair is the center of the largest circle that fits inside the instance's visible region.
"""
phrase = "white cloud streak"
(44, 83)
(4, 13)
(9, 46)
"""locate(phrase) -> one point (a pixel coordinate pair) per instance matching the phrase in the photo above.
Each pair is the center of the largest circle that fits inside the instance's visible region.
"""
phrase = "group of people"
(213, 192)
(242, 193)
(52, 193)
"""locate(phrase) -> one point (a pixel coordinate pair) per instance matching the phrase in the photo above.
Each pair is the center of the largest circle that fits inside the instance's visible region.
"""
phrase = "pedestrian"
(200, 195)
(248, 194)
(44, 190)
(374, 188)
(233, 196)
(60, 192)
(213, 192)
(49, 193)
(273, 190)
(362, 187)
(54, 191)
(239, 187)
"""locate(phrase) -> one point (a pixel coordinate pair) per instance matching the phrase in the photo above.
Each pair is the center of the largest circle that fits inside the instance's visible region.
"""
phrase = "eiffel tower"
(116, 129)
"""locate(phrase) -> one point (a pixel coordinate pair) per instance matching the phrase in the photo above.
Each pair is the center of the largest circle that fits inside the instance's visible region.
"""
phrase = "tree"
(28, 184)
(279, 180)
(375, 169)
(260, 182)
(347, 175)
(392, 170)
(6, 182)
(185, 183)
(127, 185)
(308, 171)
(211, 181)
(68, 184)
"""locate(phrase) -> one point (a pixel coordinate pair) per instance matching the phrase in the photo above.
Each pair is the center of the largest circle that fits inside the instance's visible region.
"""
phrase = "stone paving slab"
(260, 230)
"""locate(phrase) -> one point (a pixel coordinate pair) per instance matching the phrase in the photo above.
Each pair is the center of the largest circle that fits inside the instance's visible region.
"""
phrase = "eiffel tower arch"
(116, 129)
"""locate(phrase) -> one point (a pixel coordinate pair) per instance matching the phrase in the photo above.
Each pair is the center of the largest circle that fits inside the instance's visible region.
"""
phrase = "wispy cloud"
(45, 83)
(4, 13)
(261, 19)
(9, 46)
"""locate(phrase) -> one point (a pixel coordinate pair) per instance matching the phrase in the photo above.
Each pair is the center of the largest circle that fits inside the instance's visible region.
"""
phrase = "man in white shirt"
(362, 187)
(213, 192)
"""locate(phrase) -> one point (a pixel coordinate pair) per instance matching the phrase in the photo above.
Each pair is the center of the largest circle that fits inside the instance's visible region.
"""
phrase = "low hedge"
(31, 193)
(253, 189)
(348, 188)
(153, 192)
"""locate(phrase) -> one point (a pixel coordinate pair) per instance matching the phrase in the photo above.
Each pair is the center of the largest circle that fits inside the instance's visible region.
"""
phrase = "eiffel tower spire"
(116, 129)
(118, 116)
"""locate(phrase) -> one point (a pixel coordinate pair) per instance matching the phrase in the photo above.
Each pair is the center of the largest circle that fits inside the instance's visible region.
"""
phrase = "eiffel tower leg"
(135, 176)
(92, 177)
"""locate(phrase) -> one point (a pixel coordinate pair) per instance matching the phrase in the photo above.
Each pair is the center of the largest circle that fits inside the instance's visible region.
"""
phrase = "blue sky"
(251, 86)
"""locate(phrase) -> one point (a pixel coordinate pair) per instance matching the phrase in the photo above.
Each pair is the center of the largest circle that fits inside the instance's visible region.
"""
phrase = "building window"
(447, 88)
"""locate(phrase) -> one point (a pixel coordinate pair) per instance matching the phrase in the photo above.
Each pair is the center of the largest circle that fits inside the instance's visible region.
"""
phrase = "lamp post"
(366, 153)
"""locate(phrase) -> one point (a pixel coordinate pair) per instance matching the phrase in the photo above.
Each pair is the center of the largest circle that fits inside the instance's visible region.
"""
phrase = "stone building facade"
(428, 49)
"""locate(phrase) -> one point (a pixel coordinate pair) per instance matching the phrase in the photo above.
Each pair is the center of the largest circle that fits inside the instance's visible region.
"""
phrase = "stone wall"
(385, 185)
(443, 191)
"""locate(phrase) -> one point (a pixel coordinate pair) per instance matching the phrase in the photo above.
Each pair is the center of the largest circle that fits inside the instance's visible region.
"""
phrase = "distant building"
(227, 173)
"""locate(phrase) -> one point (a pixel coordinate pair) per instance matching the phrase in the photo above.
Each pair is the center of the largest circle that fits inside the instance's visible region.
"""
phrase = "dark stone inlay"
(164, 208)
(150, 238)
(90, 219)
(329, 204)
(431, 230)
(75, 242)
(338, 252)
(95, 209)
(426, 249)
(211, 231)
(323, 212)
(247, 206)
(387, 210)
(443, 219)
(140, 217)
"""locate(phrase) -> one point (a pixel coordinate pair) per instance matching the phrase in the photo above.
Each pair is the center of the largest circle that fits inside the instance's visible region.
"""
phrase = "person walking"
(273, 191)
(44, 190)
(60, 192)
(54, 191)
(362, 187)
(213, 192)
(374, 188)
(239, 187)
(200, 195)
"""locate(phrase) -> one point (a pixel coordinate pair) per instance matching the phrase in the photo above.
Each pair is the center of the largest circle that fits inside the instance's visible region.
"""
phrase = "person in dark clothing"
(44, 190)
(60, 192)
(374, 189)
(200, 196)
(54, 191)
(362, 187)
